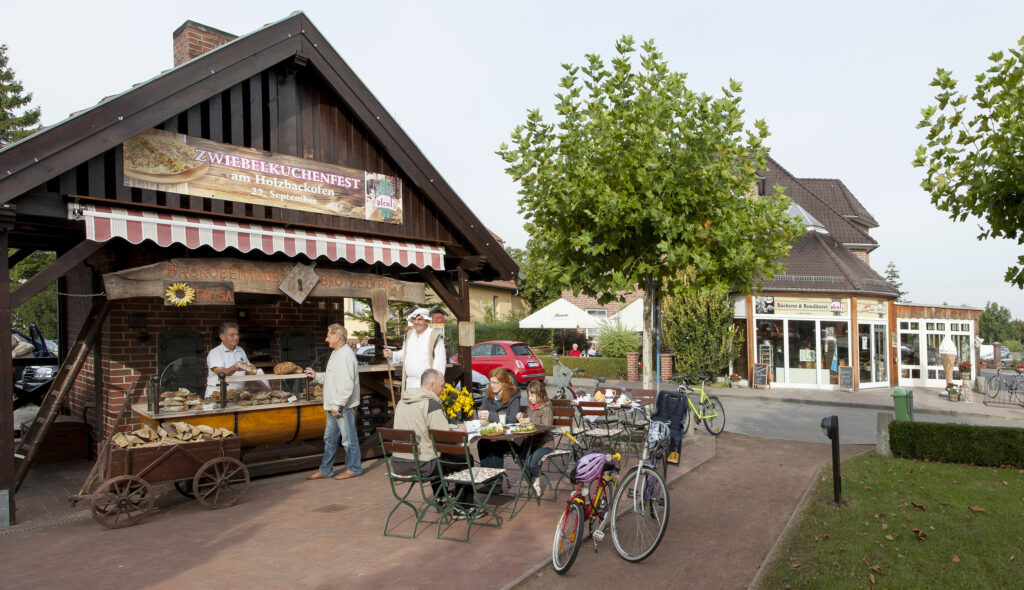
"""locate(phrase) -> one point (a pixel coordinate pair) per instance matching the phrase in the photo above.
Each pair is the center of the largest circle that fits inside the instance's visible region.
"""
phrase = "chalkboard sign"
(845, 378)
(760, 375)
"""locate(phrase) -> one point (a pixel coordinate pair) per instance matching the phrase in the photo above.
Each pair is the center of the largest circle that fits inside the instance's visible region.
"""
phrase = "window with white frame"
(598, 313)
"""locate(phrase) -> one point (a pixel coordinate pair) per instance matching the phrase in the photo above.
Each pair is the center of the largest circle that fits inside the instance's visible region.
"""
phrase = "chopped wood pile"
(169, 433)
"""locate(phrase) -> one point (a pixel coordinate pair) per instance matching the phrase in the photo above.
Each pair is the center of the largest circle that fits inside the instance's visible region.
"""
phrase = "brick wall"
(193, 39)
(586, 302)
(863, 255)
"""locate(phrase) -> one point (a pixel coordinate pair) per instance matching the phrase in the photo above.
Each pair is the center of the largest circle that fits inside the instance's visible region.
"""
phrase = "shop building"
(258, 181)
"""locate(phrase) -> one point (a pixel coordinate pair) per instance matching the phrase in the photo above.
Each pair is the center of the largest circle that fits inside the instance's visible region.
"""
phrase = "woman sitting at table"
(535, 448)
(502, 398)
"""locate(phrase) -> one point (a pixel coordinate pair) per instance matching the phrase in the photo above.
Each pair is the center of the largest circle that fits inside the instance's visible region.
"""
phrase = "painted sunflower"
(180, 294)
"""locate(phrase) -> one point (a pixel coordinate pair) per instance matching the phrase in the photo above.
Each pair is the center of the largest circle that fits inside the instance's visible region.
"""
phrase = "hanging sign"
(802, 306)
(178, 163)
(246, 276)
(299, 282)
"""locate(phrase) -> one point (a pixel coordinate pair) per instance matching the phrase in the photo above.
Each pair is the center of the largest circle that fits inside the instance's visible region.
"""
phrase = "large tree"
(994, 324)
(14, 126)
(972, 157)
(41, 309)
(641, 177)
(532, 287)
(892, 276)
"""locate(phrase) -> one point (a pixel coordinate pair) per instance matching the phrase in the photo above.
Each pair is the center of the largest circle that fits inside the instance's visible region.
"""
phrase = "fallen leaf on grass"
(868, 488)
(917, 506)
(865, 560)
(890, 538)
(945, 503)
(872, 578)
(875, 569)
(956, 559)
(884, 526)
(795, 564)
(977, 509)
(921, 535)
(956, 481)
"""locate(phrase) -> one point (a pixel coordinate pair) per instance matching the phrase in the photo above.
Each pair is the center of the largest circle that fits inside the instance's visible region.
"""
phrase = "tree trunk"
(647, 357)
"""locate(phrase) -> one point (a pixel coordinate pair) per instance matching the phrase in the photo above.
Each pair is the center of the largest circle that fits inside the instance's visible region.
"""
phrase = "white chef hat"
(419, 311)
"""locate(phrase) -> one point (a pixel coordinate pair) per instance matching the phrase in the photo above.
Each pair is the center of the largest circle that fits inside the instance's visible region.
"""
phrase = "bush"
(1013, 345)
(992, 446)
(612, 368)
(615, 341)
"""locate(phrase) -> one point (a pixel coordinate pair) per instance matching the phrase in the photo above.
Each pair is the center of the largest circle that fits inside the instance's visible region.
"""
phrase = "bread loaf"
(286, 368)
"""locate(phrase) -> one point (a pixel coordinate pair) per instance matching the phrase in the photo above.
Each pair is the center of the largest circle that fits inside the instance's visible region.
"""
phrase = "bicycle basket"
(657, 435)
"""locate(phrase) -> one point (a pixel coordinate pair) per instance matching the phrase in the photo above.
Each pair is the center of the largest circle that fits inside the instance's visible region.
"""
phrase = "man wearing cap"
(423, 349)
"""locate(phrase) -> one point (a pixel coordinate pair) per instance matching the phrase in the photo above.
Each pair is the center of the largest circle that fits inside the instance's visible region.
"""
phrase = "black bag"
(671, 407)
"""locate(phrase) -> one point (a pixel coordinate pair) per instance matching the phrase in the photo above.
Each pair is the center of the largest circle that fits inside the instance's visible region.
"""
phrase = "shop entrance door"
(872, 355)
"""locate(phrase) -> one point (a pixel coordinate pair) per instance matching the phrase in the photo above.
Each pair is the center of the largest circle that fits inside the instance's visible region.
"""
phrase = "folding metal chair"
(600, 428)
(455, 465)
(558, 461)
(404, 441)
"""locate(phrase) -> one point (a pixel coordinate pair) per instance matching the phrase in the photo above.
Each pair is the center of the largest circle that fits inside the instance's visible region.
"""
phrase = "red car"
(514, 356)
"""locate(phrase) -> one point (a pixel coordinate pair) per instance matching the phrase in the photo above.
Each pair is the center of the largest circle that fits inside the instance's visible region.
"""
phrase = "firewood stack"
(169, 433)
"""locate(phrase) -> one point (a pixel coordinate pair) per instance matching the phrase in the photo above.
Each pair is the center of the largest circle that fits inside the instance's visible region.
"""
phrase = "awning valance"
(103, 223)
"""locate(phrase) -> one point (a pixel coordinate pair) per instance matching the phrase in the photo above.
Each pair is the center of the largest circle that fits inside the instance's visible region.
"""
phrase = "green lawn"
(907, 524)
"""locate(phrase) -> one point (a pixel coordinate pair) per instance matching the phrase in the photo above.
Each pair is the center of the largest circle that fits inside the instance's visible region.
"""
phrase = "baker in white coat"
(423, 349)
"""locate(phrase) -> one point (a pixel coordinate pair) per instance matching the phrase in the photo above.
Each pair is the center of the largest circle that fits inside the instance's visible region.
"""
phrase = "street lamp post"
(830, 427)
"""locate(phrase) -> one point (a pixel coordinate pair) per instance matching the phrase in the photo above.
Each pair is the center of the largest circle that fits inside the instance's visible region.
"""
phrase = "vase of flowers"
(457, 404)
(735, 380)
(954, 392)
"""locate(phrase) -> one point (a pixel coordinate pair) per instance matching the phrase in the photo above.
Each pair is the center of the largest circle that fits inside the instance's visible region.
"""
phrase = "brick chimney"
(193, 39)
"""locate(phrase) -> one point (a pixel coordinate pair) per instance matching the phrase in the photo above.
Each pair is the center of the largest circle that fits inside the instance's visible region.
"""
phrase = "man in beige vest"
(423, 349)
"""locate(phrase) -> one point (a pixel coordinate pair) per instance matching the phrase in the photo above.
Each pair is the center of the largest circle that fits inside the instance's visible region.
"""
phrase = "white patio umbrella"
(631, 317)
(562, 315)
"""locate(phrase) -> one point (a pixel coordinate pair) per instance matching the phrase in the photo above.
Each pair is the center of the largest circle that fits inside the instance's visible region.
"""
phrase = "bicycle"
(562, 378)
(709, 408)
(1014, 385)
(594, 476)
(631, 532)
(640, 509)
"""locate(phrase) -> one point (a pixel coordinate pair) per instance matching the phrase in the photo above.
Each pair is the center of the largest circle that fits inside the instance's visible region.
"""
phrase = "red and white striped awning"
(103, 223)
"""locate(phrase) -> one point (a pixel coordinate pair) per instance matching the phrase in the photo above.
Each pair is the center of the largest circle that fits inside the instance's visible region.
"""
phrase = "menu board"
(760, 376)
(845, 378)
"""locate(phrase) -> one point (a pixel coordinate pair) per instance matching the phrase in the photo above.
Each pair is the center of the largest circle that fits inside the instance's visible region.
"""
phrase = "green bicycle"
(709, 408)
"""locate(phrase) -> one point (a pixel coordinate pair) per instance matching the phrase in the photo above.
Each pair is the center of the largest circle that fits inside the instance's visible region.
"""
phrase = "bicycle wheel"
(714, 415)
(568, 538)
(992, 385)
(640, 513)
(1017, 391)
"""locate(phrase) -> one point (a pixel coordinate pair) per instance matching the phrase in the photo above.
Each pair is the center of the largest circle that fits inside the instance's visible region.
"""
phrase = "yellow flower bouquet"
(457, 404)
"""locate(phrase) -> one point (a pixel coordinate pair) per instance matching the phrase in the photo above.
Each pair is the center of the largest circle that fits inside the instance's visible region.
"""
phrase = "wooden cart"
(119, 488)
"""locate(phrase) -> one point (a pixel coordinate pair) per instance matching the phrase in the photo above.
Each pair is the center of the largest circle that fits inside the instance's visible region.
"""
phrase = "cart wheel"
(220, 482)
(121, 501)
(184, 487)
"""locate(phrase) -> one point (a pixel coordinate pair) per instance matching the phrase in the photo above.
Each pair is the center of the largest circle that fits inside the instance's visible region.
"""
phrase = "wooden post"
(7, 216)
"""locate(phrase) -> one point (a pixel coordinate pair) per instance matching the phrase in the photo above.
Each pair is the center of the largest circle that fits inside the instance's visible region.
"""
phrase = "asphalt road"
(802, 422)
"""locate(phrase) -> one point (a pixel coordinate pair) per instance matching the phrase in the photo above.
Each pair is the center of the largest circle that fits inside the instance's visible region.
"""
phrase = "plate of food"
(520, 428)
(492, 430)
(163, 159)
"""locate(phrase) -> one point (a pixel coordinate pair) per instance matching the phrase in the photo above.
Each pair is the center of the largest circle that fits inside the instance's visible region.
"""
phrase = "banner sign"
(871, 309)
(801, 306)
(178, 163)
(223, 277)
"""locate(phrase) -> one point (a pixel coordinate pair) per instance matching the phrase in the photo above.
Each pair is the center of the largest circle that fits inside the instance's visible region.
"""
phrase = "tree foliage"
(41, 309)
(972, 158)
(14, 126)
(698, 325)
(994, 325)
(640, 177)
(892, 276)
(531, 286)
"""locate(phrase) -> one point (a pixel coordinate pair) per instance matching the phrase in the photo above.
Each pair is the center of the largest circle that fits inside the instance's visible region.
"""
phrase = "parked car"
(514, 356)
(365, 354)
(31, 383)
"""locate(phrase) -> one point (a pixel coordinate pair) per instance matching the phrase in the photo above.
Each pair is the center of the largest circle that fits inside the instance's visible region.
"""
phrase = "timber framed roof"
(60, 148)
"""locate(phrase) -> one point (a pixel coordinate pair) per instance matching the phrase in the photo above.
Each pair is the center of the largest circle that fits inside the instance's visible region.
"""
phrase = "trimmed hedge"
(612, 368)
(500, 330)
(990, 446)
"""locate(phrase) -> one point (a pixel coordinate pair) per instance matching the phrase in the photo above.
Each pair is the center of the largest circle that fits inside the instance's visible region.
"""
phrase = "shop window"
(597, 313)
(803, 353)
(910, 349)
(835, 350)
(932, 342)
(771, 347)
(359, 306)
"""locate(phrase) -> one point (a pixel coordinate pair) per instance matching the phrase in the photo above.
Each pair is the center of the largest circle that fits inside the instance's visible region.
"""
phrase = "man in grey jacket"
(341, 396)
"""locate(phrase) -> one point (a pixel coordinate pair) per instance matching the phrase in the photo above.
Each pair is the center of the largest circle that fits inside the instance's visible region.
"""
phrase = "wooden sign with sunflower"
(188, 293)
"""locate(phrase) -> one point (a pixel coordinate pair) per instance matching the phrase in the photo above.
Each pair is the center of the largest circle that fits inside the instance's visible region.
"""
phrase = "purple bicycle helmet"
(589, 468)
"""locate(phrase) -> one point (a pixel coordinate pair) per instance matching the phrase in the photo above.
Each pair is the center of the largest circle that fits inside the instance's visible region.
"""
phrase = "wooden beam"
(7, 485)
(59, 268)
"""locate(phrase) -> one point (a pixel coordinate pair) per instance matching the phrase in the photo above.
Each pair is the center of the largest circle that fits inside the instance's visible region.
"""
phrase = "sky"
(840, 86)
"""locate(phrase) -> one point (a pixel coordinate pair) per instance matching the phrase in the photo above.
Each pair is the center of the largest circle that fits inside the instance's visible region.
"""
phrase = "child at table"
(535, 448)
